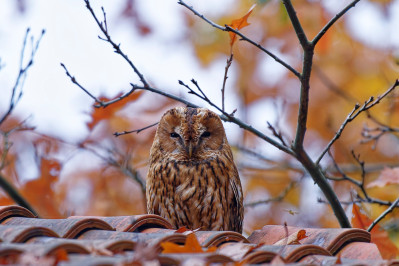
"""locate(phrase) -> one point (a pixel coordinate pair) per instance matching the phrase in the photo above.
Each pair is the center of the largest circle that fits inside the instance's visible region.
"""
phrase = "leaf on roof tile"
(293, 239)
(192, 245)
(331, 239)
(289, 253)
(182, 230)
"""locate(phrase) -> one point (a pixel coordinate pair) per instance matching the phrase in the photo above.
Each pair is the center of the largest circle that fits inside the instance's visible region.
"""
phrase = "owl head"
(186, 133)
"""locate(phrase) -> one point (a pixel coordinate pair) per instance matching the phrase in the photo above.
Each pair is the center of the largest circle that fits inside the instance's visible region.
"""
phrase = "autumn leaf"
(191, 246)
(378, 235)
(388, 176)
(293, 239)
(238, 24)
(301, 235)
(182, 230)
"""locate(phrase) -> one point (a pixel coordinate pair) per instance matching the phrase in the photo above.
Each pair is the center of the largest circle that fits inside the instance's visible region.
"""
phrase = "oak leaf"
(378, 235)
(191, 246)
(238, 24)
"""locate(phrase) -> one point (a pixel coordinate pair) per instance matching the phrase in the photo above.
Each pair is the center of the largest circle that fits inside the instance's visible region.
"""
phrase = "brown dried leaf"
(191, 246)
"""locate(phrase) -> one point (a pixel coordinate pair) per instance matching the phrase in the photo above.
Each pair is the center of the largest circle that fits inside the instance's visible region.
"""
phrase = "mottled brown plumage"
(192, 180)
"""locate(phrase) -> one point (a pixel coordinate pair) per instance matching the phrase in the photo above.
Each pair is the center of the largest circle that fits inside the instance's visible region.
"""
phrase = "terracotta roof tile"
(135, 223)
(332, 239)
(67, 228)
(96, 240)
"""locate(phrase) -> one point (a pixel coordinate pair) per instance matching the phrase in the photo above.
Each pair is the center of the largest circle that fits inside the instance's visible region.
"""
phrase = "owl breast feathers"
(192, 180)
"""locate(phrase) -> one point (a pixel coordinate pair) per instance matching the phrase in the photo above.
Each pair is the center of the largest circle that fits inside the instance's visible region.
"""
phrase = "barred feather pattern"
(192, 179)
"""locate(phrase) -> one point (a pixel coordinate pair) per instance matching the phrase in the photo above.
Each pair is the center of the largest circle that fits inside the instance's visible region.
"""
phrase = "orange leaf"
(378, 235)
(182, 230)
(388, 176)
(191, 246)
(301, 234)
(238, 24)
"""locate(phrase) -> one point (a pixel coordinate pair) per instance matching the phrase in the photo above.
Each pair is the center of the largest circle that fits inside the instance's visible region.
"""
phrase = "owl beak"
(190, 149)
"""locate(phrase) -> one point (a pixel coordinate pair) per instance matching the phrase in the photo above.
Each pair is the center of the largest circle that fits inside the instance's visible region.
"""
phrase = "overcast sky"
(58, 107)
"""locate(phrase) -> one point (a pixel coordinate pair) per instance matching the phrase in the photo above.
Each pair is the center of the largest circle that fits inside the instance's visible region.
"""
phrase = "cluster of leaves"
(345, 72)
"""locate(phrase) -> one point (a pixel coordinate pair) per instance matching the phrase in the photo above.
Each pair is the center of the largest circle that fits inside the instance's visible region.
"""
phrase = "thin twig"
(276, 134)
(243, 37)
(124, 167)
(22, 74)
(226, 70)
(74, 81)
(382, 216)
(332, 21)
(308, 51)
(225, 116)
(117, 134)
(98, 101)
(353, 114)
(348, 119)
(104, 28)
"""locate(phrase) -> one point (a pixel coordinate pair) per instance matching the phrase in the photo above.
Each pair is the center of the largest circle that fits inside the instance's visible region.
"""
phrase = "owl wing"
(236, 204)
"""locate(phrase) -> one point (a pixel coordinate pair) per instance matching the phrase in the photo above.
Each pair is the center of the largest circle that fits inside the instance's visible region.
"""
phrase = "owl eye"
(174, 135)
(206, 134)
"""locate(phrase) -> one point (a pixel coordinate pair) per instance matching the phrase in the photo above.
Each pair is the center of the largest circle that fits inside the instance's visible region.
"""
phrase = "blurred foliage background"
(105, 174)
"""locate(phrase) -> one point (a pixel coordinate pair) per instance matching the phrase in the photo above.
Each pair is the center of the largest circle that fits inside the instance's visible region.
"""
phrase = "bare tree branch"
(121, 164)
(303, 40)
(332, 21)
(104, 29)
(117, 134)
(230, 118)
(226, 70)
(353, 114)
(23, 69)
(74, 81)
(382, 216)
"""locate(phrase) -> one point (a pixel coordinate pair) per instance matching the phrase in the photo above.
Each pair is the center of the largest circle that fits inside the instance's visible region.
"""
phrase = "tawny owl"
(192, 180)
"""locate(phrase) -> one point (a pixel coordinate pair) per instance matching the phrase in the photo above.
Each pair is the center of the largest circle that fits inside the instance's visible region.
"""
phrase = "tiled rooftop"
(122, 240)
